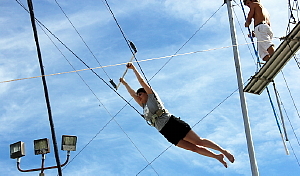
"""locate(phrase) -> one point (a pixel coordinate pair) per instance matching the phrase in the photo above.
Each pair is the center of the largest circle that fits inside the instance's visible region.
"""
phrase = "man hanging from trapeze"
(172, 128)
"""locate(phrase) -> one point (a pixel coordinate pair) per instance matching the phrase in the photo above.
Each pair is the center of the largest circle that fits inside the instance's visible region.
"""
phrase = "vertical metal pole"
(30, 6)
(253, 164)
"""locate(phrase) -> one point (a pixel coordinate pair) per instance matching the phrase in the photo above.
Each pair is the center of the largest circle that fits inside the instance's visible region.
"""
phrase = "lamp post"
(42, 147)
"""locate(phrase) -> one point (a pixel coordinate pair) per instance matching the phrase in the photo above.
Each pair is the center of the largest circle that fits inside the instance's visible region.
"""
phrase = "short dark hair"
(141, 90)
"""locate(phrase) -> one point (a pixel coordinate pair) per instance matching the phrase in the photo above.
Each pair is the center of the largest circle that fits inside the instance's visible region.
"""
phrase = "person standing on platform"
(262, 28)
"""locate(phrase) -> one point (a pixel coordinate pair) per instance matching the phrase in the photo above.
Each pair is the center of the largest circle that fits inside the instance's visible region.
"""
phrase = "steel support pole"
(32, 18)
(253, 164)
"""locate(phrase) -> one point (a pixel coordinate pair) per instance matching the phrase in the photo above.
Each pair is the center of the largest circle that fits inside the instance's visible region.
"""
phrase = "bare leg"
(266, 58)
(201, 150)
(193, 138)
(270, 51)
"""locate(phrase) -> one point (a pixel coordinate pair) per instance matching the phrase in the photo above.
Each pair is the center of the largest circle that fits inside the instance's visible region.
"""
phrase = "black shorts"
(175, 130)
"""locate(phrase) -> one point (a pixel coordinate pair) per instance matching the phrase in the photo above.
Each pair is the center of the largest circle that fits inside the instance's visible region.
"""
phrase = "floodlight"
(17, 150)
(68, 143)
(41, 146)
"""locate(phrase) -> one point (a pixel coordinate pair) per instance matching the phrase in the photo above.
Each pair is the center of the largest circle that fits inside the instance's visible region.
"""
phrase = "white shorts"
(264, 36)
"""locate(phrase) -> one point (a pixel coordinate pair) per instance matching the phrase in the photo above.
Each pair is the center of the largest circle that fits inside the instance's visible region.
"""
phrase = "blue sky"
(190, 86)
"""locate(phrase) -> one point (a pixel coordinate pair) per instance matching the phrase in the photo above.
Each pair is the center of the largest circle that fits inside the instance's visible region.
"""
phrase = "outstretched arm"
(140, 79)
(131, 91)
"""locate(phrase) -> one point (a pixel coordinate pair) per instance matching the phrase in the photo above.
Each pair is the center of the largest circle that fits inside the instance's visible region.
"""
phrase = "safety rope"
(124, 63)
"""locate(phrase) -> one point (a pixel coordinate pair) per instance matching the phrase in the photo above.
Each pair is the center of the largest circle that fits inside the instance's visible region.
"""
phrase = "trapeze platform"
(278, 60)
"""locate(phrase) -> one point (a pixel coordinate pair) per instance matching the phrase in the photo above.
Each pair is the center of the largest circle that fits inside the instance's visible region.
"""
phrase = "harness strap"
(157, 114)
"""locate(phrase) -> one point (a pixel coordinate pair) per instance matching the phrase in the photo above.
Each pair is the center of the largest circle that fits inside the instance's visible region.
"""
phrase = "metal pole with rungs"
(254, 168)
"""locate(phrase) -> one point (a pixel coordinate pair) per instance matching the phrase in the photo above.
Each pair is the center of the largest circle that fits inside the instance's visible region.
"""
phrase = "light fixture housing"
(41, 146)
(17, 150)
(68, 143)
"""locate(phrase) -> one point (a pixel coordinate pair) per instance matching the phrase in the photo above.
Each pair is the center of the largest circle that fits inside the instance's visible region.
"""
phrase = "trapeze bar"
(133, 56)
(278, 60)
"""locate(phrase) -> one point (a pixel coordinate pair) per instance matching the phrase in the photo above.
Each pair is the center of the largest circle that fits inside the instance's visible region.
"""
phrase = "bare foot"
(229, 156)
(220, 157)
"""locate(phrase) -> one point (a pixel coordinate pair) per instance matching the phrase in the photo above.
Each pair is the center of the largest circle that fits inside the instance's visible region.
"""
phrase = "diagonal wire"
(113, 117)
(89, 68)
(244, 35)
(125, 38)
(187, 41)
(81, 37)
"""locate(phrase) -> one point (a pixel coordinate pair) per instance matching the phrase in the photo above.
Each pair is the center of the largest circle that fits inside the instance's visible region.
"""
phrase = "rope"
(124, 63)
